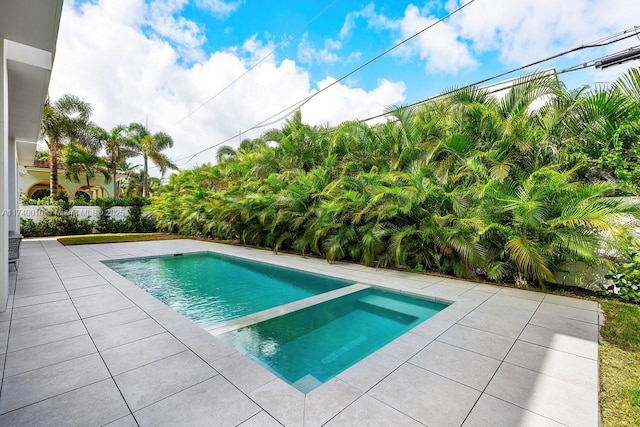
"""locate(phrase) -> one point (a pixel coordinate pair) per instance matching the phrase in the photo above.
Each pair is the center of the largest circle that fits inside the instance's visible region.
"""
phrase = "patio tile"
(242, 372)
(261, 419)
(115, 318)
(214, 399)
(108, 337)
(490, 411)
(405, 346)
(86, 281)
(39, 299)
(370, 371)
(158, 380)
(425, 396)
(28, 289)
(72, 272)
(208, 347)
(34, 386)
(367, 411)
(441, 290)
(514, 302)
(28, 337)
(281, 401)
(44, 309)
(172, 321)
(95, 404)
(498, 319)
(126, 421)
(552, 398)
(553, 339)
(431, 328)
(93, 305)
(566, 326)
(574, 313)
(486, 343)
(4, 334)
(474, 294)
(457, 364)
(325, 402)
(577, 370)
(91, 290)
(138, 353)
(56, 316)
(48, 354)
(522, 293)
(571, 302)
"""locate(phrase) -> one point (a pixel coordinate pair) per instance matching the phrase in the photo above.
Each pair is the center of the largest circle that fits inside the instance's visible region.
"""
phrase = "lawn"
(620, 364)
(86, 239)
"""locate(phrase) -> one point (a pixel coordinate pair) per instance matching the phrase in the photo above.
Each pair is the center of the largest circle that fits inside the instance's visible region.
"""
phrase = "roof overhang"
(29, 32)
(26, 151)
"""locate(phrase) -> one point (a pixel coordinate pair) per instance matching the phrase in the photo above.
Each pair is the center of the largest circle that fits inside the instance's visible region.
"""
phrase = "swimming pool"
(210, 288)
(310, 346)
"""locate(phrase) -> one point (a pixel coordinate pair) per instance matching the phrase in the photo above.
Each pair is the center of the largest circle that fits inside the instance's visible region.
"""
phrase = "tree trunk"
(53, 166)
(145, 180)
(116, 193)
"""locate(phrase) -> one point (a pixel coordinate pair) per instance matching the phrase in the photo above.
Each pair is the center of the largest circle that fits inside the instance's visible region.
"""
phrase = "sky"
(213, 72)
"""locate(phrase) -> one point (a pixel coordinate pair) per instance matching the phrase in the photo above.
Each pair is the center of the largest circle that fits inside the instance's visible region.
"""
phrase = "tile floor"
(82, 346)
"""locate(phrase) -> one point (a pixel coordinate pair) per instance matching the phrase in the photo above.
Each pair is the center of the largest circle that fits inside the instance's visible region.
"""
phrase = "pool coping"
(410, 377)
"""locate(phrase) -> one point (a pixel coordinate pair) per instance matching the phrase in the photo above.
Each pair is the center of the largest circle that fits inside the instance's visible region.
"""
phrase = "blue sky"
(159, 61)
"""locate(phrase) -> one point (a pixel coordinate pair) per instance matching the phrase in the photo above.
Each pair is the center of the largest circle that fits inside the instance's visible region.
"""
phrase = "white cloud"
(525, 30)
(308, 54)
(219, 8)
(105, 57)
(440, 47)
(330, 106)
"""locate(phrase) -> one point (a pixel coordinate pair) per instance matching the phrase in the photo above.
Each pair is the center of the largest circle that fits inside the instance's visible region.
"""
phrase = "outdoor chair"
(14, 248)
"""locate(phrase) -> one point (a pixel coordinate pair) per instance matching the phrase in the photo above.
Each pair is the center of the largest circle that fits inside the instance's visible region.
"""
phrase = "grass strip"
(620, 364)
(88, 239)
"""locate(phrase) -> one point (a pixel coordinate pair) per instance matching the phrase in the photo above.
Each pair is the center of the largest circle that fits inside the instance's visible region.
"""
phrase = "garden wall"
(36, 213)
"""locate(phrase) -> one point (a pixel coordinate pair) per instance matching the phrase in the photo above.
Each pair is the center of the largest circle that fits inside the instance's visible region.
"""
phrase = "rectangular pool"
(210, 288)
(310, 346)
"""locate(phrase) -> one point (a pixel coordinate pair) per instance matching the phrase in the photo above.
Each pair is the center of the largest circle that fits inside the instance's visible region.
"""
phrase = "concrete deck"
(82, 346)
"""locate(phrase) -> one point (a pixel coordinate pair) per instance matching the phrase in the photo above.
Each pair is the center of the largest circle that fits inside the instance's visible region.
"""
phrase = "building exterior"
(28, 35)
(34, 177)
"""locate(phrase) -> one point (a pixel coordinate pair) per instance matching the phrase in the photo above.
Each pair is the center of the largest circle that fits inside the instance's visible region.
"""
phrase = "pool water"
(310, 346)
(211, 288)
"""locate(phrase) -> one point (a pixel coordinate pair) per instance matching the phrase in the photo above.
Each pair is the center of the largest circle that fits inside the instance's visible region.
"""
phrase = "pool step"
(241, 322)
(411, 311)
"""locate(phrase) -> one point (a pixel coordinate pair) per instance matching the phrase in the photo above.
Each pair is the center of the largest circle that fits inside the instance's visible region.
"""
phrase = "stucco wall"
(36, 213)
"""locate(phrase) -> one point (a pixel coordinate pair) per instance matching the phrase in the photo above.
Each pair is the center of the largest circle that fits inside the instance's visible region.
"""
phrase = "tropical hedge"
(504, 188)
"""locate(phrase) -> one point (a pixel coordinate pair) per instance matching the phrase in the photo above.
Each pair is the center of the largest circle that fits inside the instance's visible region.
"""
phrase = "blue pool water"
(308, 347)
(210, 288)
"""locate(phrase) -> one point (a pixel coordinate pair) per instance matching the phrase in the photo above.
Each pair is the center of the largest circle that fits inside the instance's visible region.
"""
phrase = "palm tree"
(150, 147)
(63, 120)
(115, 143)
(79, 160)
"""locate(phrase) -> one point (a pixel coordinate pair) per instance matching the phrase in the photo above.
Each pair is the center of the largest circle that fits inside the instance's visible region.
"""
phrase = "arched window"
(40, 193)
(82, 195)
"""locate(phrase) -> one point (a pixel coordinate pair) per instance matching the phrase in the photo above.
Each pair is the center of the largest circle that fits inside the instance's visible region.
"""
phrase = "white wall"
(4, 179)
(36, 213)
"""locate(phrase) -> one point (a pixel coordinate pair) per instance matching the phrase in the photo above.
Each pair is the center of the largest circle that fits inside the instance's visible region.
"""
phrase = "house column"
(14, 195)
(4, 179)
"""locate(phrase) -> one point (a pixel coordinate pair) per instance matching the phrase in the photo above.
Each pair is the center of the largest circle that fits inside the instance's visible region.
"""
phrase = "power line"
(288, 110)
(605, 41)
(287, 40)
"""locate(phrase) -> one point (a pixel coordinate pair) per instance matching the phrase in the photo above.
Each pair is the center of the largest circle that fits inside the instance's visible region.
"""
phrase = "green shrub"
(624, 281)
(58, 223)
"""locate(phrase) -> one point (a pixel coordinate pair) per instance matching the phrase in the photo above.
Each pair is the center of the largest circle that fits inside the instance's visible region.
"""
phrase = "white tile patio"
(80, 345)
